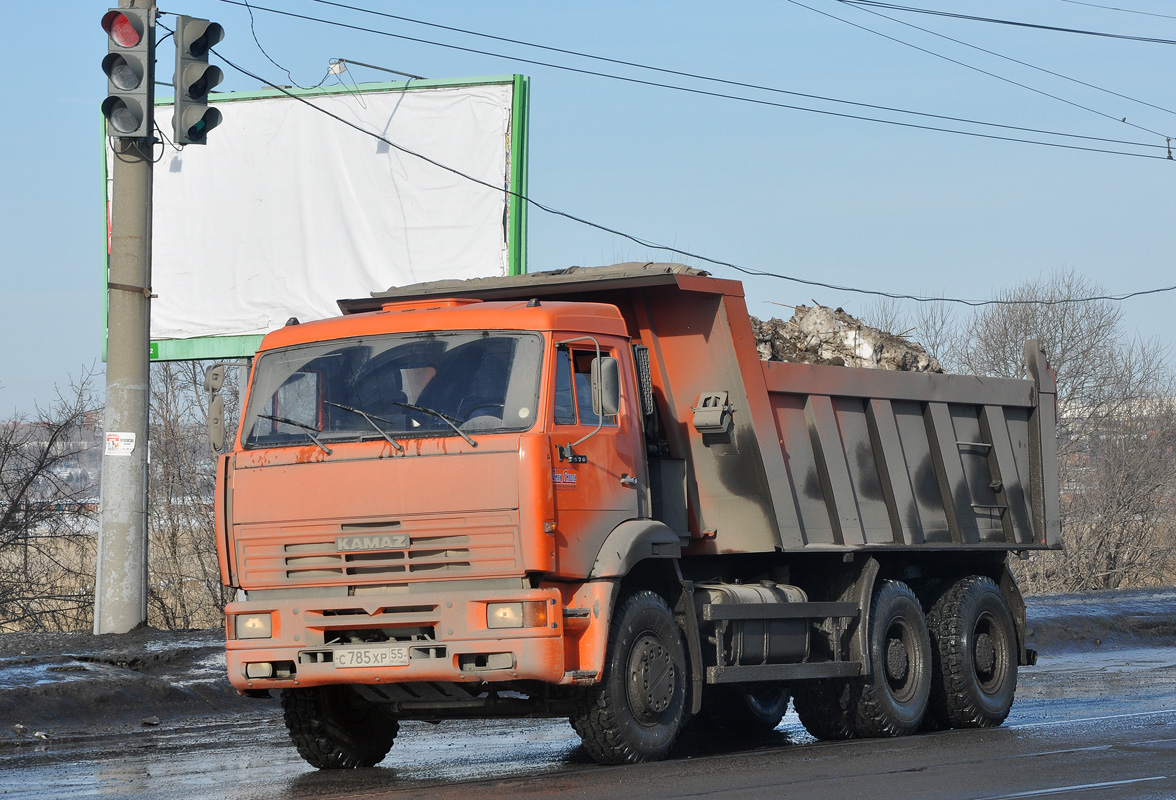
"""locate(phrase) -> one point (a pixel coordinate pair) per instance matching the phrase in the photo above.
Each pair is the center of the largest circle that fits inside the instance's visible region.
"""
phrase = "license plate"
(387, 656)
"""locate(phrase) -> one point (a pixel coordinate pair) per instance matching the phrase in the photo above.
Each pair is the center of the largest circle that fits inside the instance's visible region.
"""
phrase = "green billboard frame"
(244, 346)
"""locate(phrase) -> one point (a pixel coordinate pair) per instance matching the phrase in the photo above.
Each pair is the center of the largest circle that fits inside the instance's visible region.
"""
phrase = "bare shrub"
(887, 314)
(1115, 436)
(938, 329)
(184, 586)
(48, 512)
(1120, 525)
(934, 325)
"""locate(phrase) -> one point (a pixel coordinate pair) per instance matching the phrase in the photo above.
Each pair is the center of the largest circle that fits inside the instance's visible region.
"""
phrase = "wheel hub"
(651, 679)
(898, 662)
(985, 654)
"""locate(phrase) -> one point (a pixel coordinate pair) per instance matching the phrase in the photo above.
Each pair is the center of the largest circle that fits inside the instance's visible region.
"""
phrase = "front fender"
(631, 542)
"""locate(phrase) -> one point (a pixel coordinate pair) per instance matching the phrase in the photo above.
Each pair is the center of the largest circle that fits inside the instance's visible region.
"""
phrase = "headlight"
(532, 614)
(254, 626)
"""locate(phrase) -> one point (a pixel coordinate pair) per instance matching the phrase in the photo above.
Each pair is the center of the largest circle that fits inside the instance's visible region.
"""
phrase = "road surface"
(1095, 723)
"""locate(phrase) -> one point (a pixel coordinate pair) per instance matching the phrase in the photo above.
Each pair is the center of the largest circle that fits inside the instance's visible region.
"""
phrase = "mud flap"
(688, 619)
(1016, 603)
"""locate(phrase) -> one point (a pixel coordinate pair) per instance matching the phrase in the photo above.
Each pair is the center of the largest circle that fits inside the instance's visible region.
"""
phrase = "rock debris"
(821, 335)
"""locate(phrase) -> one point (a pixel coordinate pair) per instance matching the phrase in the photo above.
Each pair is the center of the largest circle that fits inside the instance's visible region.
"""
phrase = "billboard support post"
(120, 591)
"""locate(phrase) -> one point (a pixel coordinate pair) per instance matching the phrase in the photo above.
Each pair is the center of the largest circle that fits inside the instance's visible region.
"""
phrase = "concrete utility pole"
(120, 592)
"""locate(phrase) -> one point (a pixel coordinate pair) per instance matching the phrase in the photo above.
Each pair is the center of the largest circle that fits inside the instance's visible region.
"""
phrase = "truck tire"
(638, 709)
(974, 655)
(744, 710)
(825, 708)
(334, 728)
(892, 699)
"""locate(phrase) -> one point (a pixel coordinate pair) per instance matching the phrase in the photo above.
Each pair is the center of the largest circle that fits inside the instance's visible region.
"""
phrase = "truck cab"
(418, 493)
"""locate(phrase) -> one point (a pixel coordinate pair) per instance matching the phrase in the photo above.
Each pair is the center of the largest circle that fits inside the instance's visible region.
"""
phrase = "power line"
(914, 10)
(966, 65)
(1034, 66)
(253, 30)
(1123, 10)
(756, 101)
(724, 81)
(654, 245)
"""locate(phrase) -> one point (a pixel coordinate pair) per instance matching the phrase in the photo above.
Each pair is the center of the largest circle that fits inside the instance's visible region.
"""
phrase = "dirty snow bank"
(1125, 618)
(69, 684)
(822, 335)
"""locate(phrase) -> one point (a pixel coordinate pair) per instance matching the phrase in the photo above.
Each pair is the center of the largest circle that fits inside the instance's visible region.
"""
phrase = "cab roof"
(453, 314)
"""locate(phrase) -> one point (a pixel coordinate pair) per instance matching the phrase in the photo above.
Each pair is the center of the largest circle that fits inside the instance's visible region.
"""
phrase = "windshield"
(395, 386)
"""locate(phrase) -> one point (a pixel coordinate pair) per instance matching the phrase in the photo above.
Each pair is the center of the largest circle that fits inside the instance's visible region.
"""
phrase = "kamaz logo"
(383, 541)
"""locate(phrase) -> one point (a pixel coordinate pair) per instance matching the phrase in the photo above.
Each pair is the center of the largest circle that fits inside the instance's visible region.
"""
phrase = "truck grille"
(438, 547)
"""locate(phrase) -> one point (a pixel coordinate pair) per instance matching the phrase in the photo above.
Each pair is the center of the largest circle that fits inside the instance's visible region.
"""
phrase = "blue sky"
(847, 202)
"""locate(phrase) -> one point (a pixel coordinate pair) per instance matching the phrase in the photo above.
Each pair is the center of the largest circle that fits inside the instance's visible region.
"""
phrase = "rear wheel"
(745, 710)
(892, 699)
(975, 655)
(335, 728)
(638, 709)
(825, 708)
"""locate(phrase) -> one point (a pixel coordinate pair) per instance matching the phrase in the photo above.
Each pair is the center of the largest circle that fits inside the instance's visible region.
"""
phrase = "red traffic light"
(122, 28)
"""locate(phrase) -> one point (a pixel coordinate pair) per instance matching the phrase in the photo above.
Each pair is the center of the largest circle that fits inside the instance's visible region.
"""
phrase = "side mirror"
(214, 378)
(216, 423)
(606, 386)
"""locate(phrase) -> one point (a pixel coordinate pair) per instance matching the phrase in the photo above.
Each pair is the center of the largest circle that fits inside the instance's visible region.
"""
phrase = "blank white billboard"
(287, 209)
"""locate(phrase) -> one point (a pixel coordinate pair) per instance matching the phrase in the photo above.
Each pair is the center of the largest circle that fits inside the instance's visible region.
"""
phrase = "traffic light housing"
(192, 119)
(130, 74)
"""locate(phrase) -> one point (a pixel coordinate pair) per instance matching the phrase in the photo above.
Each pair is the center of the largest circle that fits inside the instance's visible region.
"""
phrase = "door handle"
(628, 480)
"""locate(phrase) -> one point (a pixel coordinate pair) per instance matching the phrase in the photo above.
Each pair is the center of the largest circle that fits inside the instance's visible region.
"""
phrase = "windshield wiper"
(448, 420)
(310, 430)
(371, 420)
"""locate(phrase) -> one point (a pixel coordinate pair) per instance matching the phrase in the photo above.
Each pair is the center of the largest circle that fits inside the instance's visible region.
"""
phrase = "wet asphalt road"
(1093, 725)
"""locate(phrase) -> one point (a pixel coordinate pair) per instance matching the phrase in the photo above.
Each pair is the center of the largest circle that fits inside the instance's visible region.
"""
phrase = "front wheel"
(335, 728)
(637, 710)
(975, 651)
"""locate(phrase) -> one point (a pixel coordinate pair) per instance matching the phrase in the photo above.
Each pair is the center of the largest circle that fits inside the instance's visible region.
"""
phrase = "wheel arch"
(632, 542)
(644, 554)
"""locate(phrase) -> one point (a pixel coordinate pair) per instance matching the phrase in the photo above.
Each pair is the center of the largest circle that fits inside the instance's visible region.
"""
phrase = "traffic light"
(192, 119)
(130, 74)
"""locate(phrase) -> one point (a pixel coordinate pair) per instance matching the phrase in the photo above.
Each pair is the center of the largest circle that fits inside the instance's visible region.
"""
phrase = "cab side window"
(573, 388)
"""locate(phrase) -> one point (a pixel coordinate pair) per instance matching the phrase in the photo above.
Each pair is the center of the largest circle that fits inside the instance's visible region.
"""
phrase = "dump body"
(464, 487)
(815, 456)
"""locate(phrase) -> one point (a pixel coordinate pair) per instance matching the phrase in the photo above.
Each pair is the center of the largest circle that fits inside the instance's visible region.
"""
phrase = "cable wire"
(697, 76)
(1039, 69)
(1014, 23)
(1123, 10)
(966, 65)
(756, 101)
(654, 245)
(253, 30)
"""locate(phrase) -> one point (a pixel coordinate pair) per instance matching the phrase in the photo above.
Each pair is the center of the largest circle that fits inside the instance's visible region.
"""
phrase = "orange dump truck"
(581, 494)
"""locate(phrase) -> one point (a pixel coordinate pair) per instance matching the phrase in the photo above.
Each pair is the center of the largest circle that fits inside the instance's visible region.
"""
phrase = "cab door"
(600, 480)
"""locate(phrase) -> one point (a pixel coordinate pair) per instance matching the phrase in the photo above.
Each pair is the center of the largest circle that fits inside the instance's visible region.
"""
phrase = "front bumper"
(446, 635)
